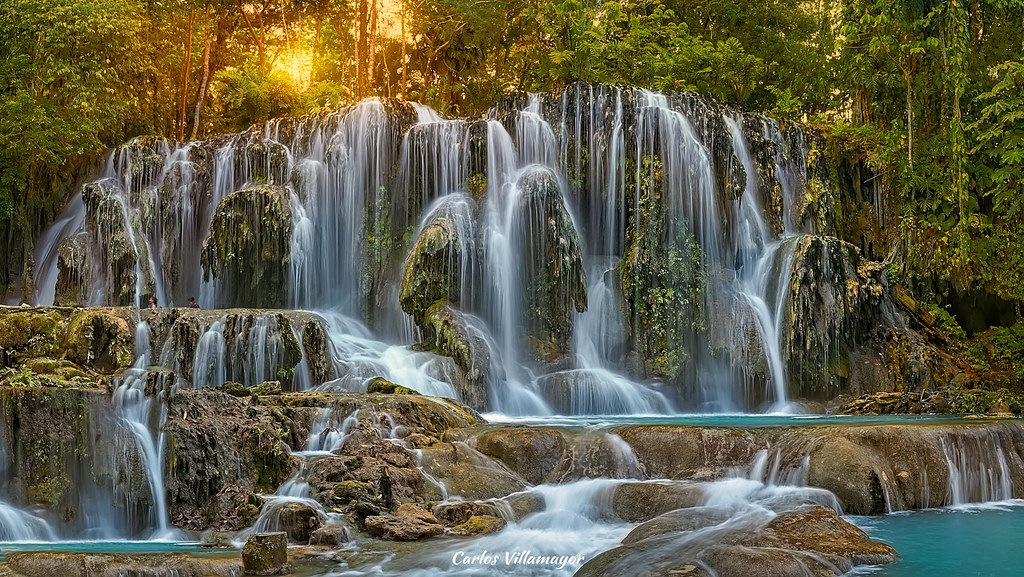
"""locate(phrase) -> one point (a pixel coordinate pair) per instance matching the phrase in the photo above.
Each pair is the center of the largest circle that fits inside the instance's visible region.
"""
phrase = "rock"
(214, 441)
(332, 537)
(358, 477)
(73, 272)
(639, 502)
(468, 473)
(479, 525)
(524, 503)
(249, 246)
(678, 521)
(555, 282)
(408, 523)
(532, 453)
(383, 386)
(235, 389)
(298, 521)
(265, 554)
(47, 564)
(464, 338)
(453, 514)
(848, 470)
(808, 541)
(432, 270)
(100, 339)
(267, 388)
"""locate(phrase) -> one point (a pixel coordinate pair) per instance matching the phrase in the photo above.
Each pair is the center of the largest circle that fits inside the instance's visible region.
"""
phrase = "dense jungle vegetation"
(927, 92)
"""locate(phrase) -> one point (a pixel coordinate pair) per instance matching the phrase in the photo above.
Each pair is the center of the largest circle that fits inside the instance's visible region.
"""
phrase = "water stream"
(560, 210)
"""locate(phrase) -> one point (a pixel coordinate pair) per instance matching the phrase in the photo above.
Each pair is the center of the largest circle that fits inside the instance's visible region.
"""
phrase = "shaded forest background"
(927, 92)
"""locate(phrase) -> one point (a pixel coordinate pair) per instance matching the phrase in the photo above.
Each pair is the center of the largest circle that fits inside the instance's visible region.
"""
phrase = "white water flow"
(578, 522)
(978, 471)
(360, 183)
(18, 525)
(765, 264)
(209, 369)
(327, 434)
(142, 415)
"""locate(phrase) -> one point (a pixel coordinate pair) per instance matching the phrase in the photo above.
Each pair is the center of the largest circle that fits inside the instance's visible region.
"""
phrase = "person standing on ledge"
(192, 304)
(152, 302)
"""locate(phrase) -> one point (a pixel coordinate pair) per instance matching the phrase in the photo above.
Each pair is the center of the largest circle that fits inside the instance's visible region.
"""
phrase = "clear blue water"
(984, 540)
(745, 420)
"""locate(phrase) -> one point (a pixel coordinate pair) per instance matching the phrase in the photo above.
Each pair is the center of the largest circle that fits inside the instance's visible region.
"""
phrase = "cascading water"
(142, 413)
(978, 471)
(550, 206)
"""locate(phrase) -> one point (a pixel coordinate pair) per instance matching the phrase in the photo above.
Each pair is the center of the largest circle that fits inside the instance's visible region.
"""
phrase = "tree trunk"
(184, 75)
(206, 75)
(405, 95)
(372, 48)
(362, 46)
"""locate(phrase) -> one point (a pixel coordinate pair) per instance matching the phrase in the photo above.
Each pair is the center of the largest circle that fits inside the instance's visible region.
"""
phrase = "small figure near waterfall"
(192, 304)
(152, 302)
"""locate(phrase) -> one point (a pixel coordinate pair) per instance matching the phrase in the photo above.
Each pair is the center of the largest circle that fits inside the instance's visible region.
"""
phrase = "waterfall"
(581, 222)
(142, 414)
(978, 471)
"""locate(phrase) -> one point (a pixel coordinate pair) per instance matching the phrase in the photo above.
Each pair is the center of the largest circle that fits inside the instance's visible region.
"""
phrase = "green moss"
(30, 334)
(661, 280)
(383, 386)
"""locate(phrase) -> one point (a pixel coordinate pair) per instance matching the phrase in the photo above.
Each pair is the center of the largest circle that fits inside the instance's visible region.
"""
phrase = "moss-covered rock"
(555, 282)
(100, 339)
(248, 247)
(461, 336)
(265, 554)
(380, 385)
(432, 270)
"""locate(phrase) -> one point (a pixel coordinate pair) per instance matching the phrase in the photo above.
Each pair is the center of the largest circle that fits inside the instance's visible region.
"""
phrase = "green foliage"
(251, 97)
(68, 79)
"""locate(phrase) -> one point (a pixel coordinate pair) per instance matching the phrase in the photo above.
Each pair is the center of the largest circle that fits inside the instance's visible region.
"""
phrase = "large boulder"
(807, 541)
(639, 502)
(531, 452)
(408, 523)
(432, 270)
(249, 246)
(468, 473)
(265, 554)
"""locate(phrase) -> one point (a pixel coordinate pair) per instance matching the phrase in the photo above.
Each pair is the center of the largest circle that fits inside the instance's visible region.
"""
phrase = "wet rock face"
(248, 247)
(58, 446)
(121, 259)
(807, 541)
(216, 441)
(432, 270)
(554, 278)
(455, 334)
(72, 271)
(835, 299)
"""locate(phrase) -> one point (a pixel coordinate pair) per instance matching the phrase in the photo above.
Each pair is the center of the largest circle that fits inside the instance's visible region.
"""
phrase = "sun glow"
(297, 65)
